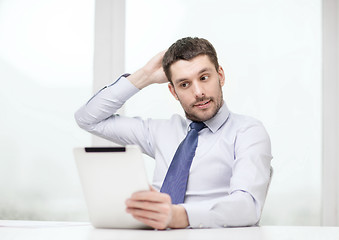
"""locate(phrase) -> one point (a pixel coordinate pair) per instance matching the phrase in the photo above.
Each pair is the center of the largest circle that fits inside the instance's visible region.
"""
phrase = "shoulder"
(246, 126)
(250, 137)
(244, 121)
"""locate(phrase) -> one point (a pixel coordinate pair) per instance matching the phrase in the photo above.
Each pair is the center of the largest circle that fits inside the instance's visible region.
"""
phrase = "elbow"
(81, 121)
(242, 213)
(78, 119)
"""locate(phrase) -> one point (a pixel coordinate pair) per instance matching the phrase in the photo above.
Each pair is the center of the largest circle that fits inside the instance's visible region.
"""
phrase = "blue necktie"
(175, 182)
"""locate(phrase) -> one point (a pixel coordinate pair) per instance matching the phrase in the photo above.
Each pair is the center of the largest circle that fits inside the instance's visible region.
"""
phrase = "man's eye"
(204, 78)
(184, 85)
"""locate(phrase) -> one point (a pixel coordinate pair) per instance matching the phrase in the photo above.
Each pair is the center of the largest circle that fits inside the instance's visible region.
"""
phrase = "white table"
(36, 230)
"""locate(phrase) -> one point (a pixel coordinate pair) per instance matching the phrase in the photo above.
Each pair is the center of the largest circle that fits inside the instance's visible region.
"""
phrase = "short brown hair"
(187, 49)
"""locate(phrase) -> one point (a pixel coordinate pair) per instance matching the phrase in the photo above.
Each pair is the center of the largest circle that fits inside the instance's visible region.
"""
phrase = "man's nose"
(198, 89)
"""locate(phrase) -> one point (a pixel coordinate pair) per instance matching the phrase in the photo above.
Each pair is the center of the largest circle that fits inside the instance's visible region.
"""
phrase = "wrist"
(179, 217)
(139, 79)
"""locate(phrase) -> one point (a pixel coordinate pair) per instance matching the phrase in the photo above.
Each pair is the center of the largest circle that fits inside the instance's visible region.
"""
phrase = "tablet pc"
(109, 176)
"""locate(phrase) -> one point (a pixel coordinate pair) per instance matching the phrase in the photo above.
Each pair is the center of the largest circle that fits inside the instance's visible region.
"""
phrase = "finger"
(152, 223)
(163, 208)
(149, 214)
(155, 220)
(151, 196)
(149, 206)
(144, 213)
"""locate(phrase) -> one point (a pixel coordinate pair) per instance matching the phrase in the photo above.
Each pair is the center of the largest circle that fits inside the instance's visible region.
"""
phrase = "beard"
(202, 115)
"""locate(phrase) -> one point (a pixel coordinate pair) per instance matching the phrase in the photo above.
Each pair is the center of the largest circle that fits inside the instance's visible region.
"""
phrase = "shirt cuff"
(199, 214)
(126, 88)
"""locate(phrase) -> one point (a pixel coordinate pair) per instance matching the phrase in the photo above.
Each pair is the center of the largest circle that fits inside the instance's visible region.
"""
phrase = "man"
(230, 171)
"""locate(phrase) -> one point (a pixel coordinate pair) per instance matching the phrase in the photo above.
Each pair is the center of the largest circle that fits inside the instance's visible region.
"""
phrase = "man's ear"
(221, 74)
(172, 90)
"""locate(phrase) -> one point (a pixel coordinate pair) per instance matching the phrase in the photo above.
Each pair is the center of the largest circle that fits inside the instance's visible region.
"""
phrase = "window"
(46, 74)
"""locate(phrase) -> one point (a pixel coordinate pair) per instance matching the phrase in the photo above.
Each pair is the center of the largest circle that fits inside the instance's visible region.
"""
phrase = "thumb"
(152, 189)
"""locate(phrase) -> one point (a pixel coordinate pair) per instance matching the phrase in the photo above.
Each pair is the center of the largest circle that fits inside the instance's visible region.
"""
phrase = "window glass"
(46, 50)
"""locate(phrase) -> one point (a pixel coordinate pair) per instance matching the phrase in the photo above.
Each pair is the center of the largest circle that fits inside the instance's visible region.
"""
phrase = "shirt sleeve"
(98, 116)
(248, 187)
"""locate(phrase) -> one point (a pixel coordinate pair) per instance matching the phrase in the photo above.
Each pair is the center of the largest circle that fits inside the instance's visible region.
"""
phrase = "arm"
(248, 185)
(98, 117)
(98, 114)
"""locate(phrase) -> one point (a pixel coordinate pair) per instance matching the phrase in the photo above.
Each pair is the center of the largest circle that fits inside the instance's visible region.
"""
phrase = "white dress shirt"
(230, 172)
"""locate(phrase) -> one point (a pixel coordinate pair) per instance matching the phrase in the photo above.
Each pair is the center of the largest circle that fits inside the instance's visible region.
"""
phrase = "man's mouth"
(202, 104)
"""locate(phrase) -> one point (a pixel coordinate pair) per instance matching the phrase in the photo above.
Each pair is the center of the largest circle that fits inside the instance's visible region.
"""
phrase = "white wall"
(330, 99)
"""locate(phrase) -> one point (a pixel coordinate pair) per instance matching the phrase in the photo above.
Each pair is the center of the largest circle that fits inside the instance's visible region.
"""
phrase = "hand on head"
(151, 73)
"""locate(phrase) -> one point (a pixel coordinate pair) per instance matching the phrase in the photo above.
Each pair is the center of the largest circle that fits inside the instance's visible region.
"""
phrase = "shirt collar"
(218, 120)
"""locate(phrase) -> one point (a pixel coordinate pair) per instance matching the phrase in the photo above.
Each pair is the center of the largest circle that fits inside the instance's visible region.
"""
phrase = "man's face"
(197, 86)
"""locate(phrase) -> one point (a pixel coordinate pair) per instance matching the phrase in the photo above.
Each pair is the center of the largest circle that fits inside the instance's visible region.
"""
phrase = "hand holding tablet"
(109, 176)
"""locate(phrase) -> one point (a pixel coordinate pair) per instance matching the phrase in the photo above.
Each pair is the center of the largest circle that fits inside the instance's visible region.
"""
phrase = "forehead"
(187, 69)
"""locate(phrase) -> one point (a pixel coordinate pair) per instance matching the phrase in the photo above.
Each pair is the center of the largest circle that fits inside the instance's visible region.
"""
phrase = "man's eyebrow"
(180, 80)
(207, 69)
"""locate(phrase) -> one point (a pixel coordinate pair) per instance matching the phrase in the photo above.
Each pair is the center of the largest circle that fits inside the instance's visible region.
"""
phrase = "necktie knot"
(197, 126)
